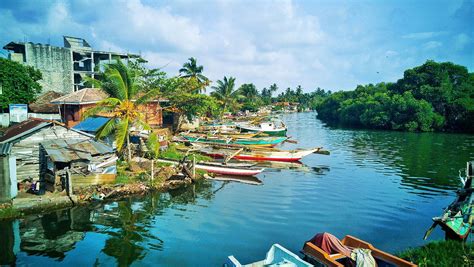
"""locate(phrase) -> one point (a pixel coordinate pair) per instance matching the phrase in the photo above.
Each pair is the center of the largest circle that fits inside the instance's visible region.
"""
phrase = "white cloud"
(461, 41)
(423, 35)
(432, 44)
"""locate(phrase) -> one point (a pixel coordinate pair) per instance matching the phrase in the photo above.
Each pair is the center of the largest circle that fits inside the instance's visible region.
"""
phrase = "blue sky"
(334, 45)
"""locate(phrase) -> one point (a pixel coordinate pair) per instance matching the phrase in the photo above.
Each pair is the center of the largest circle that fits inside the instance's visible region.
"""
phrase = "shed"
(19, 151)
(89, 162)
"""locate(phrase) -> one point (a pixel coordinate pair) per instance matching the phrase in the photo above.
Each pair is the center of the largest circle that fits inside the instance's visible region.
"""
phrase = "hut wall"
(8, 187)
(27, 150)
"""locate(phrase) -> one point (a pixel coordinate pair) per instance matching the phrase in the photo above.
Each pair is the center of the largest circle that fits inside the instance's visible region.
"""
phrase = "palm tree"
(224, 92)
(122, 85)
(192, 71)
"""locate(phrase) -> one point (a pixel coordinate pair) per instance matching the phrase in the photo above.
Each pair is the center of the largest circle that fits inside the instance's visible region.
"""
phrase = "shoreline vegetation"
(441, 253)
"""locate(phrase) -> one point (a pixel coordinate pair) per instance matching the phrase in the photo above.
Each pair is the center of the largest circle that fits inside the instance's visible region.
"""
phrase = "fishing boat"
(269, 128)
(334, 253)
(261, 141)
(220, 168)
(276, 256)
(261, 155)
(456, 220)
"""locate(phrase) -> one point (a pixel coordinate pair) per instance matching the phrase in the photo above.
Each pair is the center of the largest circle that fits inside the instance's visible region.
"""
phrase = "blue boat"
(276, 256)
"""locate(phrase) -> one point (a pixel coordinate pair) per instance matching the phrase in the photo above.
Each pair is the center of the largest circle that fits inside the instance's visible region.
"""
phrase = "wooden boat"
(317, 256)
(262, 155)
(262, 141)
(457, 218)
(221, 168)
(276, 256)
(264, 127)
(252, 180)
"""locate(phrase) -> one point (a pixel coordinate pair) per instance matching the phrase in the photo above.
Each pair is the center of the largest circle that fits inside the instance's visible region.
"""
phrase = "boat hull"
(250, 142)
(282, 156)
(223, 170)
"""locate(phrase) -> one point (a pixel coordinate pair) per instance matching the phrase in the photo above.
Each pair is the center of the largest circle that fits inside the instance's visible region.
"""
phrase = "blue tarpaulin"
(91, 124)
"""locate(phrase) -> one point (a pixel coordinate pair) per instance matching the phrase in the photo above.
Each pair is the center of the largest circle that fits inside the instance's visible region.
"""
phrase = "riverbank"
(134, 179)
(441, 253)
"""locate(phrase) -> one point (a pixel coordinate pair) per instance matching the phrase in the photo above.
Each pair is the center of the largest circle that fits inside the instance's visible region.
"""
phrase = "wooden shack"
(73, 106)
(19, 150)
(86, 162)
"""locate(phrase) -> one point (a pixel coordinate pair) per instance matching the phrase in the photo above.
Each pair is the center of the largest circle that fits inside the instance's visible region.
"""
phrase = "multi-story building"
(63, 68)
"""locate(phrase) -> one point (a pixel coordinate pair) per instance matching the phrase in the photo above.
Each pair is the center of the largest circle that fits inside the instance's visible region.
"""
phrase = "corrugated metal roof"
(73, 149)
(91, 124)
(5, 149)
(23, 128)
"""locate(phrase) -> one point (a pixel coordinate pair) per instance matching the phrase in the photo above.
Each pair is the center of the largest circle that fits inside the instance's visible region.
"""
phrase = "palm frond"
(106, 129)
(121, 133)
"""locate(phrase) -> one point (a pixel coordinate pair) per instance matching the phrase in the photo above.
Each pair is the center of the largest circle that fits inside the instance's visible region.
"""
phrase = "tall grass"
(441, 253)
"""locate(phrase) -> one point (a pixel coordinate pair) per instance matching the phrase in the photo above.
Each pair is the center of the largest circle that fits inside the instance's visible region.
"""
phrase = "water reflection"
(427, 162)
(126, 224)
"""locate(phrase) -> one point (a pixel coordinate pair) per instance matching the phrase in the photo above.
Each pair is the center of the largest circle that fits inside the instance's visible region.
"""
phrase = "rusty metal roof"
(23, 128)
(74, 149)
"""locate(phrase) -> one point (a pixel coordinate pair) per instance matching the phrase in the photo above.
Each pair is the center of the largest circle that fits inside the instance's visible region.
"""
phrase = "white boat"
(221, 169)
(269, 128)
(276, 256)
(262, 154)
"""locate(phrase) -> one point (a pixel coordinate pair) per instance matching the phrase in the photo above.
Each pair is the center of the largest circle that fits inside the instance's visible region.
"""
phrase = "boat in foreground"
(276, 256)
(221, 168)
(457, 218)
(326, 250)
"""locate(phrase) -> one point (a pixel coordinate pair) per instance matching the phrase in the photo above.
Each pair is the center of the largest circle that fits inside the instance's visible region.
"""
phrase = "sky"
(331, 44)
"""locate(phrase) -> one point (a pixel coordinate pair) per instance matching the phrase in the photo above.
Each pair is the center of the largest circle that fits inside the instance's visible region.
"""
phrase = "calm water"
(380, 186)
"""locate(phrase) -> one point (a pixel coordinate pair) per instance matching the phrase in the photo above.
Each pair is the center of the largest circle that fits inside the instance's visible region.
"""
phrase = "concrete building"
(63, 68)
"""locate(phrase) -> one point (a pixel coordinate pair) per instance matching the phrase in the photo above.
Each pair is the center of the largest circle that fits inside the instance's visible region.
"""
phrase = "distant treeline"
(431, 97)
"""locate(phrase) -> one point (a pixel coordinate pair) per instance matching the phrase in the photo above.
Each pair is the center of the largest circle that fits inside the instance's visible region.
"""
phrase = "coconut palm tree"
(225, 93)
(192, 71)
(123, 105)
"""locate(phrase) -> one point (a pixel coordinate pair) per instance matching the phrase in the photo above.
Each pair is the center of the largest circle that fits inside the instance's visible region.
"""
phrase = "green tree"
(18, 83)
(122, 84)
(193, 72)
(250, 99)
(225, 93)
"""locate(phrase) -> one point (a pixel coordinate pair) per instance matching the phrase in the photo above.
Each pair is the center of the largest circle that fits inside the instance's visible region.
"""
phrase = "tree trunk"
(129, 154)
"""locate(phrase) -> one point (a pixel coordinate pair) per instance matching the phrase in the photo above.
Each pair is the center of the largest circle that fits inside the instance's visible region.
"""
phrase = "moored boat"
(221, 168)
(262, 155)
(269, 128)
(261, 141)
(326, 250)
(457, 218)
(276, 256)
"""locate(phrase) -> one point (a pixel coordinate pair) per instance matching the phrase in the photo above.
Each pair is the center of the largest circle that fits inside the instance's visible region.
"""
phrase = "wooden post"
(152, 170)
(68, 182)
(194, 166)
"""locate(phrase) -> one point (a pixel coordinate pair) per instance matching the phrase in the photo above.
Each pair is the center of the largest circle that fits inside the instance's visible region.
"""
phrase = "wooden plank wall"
(27, 150)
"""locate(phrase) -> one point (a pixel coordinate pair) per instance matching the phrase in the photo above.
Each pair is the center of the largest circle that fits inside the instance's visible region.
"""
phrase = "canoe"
(456, 220)
(252, 180)
(317, 256)
(262, 155)
(276, 256)
(263, 141)
(265, 127)
(221, 169)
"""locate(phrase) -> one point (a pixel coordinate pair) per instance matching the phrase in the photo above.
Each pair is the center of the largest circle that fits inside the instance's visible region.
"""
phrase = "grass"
(441, 253)
(173, 153)
(8, 212)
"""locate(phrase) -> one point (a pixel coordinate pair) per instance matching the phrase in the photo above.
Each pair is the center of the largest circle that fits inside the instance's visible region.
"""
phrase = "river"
(380, 186)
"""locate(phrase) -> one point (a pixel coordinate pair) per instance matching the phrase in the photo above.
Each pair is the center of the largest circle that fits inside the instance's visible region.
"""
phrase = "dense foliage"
(19, 83)
(430, 97)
